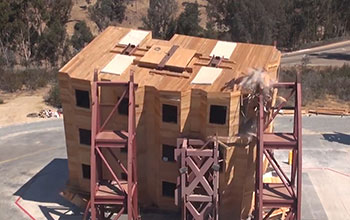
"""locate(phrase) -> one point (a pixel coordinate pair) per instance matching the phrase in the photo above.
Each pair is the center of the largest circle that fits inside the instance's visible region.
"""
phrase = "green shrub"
(37, 78)
(82, 35)
(319, 82)
(53, 98)
(32, 79)
(1, 101)
(10, 81)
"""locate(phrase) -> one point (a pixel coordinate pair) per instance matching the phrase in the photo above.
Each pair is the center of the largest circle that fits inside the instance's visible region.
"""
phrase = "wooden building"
(182, 92)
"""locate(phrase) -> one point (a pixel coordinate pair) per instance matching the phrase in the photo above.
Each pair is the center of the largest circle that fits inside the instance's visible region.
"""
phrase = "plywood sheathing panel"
(154, 56)
(181, 58)
(207, 75)
(223, 49)
(134, 37)
(238, 168)
(194, 111)
(221, 99)
(234, 113)
(97, 54)
(118, 64)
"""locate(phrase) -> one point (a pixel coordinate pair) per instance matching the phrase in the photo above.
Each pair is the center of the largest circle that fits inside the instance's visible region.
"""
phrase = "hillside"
(135, 10)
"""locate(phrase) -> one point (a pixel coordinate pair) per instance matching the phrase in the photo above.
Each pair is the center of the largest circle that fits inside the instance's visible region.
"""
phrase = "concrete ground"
(326, 167)
(33, 168)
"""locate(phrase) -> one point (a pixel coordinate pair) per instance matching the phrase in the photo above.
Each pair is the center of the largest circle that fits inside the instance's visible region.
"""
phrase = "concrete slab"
(33, 165)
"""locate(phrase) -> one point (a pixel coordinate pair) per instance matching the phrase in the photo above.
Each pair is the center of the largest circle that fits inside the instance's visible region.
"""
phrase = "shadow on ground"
(45, 188)
(337, 137)
(332, 56)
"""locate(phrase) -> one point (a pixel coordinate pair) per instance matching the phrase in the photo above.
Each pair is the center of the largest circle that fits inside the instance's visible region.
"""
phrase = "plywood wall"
(193, 108)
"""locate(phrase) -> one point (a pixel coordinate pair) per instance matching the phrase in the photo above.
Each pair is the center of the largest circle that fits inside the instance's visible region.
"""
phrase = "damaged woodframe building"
(186, 88)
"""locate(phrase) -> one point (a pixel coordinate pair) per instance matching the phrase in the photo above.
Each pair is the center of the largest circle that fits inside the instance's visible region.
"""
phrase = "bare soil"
(18, 105)
(329, 102)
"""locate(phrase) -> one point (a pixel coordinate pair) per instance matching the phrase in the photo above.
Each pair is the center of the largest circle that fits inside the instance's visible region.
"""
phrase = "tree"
(4, 40)
(161, 18)
(241, 20)
(52, 42)
(188, 21)
(106, 12)
(278, 12)
(81, 36)
(23, 24)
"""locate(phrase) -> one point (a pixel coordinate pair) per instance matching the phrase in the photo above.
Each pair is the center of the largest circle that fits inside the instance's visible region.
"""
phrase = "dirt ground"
(329, 102)
(18, 105)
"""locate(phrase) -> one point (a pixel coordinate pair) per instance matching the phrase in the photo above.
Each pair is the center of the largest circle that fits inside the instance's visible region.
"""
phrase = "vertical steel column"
(260, 153)
(299, 139)
(109, 198)
(94, 129)
(287, 194)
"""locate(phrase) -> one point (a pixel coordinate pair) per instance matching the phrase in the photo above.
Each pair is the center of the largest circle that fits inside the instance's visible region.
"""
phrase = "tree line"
(34, 31)
(289, 23)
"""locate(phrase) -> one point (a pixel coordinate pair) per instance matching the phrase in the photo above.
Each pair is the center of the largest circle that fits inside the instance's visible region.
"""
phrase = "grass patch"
(319, 82)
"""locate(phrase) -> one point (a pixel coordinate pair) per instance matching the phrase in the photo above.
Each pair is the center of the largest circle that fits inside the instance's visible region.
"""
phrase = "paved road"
(33, 166)
(333, 54)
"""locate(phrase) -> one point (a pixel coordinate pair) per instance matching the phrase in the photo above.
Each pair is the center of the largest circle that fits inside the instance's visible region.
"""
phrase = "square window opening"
(169, 113)
(168, 189)
(86, 171)
(217, 114)
(168, 153)
(124, 149)
(85, 136)
(82, 98)
(123, 176)
(123, 107)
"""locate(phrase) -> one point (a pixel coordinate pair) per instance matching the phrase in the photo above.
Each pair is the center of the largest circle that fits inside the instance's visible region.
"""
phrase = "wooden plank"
(181, 58)
(154, 56)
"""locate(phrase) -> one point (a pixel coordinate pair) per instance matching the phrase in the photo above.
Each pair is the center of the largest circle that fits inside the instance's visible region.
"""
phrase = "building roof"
(170, 65)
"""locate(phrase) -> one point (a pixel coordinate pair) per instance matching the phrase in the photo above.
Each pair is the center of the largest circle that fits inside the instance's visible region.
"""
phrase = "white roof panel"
(223, 49)
(206, 75)
(118, 64)
(134, 37)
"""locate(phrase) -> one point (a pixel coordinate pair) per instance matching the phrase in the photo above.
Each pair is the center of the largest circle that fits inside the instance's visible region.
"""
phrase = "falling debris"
(257, 80)
(45, 113)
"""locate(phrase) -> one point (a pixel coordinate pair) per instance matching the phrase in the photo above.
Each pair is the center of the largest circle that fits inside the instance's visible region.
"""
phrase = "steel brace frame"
(198, 183)
(109, 199)
(272, 196)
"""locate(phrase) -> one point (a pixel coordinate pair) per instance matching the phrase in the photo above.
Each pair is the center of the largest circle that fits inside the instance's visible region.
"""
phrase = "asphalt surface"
(33, 167)
(333, 54)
